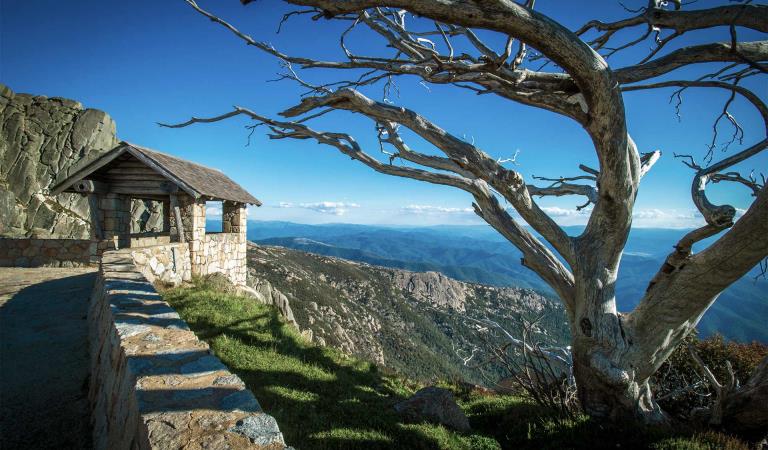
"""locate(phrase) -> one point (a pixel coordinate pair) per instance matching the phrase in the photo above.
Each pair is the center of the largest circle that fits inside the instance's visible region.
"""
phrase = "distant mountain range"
(480, 255)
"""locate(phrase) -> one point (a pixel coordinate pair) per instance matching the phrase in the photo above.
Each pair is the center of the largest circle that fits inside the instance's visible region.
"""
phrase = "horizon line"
(438, 225)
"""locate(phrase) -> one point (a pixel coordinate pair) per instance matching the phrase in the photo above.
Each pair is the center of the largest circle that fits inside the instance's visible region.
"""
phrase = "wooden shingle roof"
(197, 180)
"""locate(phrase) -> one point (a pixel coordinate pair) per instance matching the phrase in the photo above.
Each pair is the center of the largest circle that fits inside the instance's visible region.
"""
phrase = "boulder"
(263, 291)
(261, 429)
(435, 405)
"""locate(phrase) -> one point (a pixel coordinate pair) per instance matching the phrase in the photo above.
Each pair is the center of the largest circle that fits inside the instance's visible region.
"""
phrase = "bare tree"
(614, 354)
(543, 372)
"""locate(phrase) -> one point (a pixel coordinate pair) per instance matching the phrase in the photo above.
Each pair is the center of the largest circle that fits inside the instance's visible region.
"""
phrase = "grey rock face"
(436, 405)
(147, 215)
(432, 287)
(265, 293)
(43, 139)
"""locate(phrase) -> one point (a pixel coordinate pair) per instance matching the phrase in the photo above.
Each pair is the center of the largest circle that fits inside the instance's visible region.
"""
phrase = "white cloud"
(556, 211)
(653, 213)
(212, 211)
(642, 218)
(333, 208)
(667, 218)
(430, 209)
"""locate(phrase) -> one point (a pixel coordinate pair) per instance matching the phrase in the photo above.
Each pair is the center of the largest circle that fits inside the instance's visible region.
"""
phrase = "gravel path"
(44, 361)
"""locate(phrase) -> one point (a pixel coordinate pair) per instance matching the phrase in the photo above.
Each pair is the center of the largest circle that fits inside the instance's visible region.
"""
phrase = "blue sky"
(159, 61)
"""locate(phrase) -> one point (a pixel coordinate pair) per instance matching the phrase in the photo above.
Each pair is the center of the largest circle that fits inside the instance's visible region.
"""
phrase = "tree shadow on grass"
(523, 425)
(320, 398)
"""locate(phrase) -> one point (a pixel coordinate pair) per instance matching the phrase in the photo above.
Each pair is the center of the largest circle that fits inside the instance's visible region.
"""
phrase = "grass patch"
(324, 399)
(320, 397)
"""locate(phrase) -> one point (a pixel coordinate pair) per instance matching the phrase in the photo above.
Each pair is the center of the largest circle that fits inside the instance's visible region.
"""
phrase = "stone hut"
(182, 188)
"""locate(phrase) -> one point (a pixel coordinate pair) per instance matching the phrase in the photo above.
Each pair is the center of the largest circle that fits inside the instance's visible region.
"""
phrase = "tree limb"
(537, 256)
(460, 153)
(676, 302)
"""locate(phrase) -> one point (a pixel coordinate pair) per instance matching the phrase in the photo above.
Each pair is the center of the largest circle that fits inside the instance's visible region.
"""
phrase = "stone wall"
(225, 253)
(169, 264)
(149, 239)
(46, 252)
(214, 252)
(153, 383)
(114, 218)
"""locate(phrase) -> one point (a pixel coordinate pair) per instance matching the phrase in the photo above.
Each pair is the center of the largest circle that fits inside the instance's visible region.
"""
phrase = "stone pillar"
(193, 220)
(234, 218)
(176, 201)
(115, 219)
(97, 229)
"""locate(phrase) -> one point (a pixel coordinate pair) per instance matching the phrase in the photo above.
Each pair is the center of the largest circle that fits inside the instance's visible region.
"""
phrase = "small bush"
(679, 386)
(217, 282)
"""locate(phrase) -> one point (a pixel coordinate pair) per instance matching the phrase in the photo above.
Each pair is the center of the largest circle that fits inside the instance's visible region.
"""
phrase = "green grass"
(323, 399)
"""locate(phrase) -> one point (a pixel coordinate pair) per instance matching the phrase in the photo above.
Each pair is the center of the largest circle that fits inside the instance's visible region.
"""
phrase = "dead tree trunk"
(745, 410)
(739, 409)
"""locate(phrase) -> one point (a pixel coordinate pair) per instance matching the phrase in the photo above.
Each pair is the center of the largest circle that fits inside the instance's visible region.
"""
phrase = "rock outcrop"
(146, 215)
(40, 139)
(433, 287)
(43, 139)
(263, 291)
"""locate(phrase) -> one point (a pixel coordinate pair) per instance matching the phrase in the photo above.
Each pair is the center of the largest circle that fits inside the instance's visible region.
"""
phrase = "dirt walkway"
(44, 361)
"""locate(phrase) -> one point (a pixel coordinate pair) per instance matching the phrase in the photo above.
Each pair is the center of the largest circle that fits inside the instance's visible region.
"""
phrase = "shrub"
(217, 282)
(679, 386)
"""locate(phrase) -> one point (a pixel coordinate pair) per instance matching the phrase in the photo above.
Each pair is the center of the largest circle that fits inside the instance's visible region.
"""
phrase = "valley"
(477, 254)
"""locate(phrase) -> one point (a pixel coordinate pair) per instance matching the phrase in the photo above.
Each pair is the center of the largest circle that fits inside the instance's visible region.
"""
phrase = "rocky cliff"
(42, 139)
(418, 323)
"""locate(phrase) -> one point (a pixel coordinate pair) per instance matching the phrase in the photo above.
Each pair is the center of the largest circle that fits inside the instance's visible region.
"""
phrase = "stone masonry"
(115, 219)
(223, 252)
(153, 383)
(168, 264)
(46, 252)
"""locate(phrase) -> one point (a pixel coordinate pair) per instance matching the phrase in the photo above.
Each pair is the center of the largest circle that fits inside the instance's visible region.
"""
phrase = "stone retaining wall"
(153, 383)
(46, 252)
(225, 253)
(146, 239)
(169, 264)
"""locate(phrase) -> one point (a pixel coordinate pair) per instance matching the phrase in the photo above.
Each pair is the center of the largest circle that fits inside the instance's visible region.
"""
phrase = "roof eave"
(157, 167)
(87, 169)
